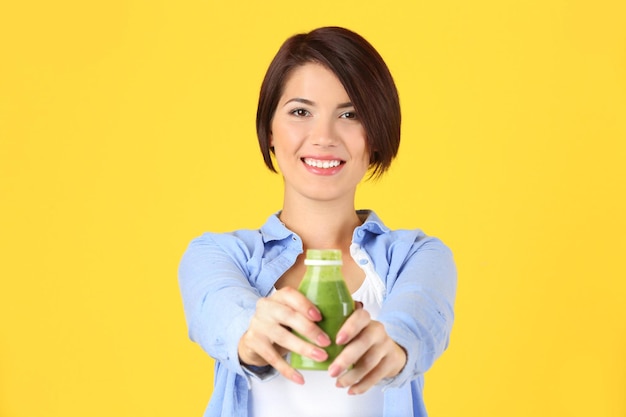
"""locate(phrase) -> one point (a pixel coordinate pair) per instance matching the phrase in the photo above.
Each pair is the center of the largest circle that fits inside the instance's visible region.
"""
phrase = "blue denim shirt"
(222, 275)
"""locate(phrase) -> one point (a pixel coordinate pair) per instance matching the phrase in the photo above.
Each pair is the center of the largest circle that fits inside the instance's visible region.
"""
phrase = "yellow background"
(127, 129)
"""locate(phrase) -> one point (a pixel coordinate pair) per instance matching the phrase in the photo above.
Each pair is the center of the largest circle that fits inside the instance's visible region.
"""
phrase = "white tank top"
(279, 397)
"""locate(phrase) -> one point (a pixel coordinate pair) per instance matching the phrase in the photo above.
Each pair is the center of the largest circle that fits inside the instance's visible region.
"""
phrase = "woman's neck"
(321, 225)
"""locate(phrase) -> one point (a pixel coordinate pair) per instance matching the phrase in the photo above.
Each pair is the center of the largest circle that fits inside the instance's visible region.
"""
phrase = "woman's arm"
(418, 311)
(217, 297)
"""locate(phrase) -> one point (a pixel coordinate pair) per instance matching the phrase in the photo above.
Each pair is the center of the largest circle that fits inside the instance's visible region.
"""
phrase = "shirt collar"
(274, 229)
(372, 224)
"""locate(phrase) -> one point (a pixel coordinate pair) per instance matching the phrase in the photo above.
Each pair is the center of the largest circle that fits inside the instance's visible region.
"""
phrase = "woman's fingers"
(269, 336)
(357, 321)
(290, 309)
(368, 357)
(357, 345)
(376, 364)
(297, 302)
(269, 354)
(360, 384)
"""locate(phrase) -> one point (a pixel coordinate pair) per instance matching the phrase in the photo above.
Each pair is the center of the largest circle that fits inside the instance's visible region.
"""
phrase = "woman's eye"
(349, 115)
(300, 112)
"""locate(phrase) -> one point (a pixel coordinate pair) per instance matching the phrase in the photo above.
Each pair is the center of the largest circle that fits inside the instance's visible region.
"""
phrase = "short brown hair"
(362, 72)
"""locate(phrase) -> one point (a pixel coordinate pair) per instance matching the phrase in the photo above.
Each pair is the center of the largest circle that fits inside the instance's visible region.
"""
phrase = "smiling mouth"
(324, 164)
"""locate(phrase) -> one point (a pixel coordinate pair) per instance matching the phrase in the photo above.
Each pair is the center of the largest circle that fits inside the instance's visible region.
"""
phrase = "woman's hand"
(369, 349)
(269, 336)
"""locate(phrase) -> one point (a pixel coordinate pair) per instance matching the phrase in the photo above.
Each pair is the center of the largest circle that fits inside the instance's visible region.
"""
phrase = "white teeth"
(322, 164)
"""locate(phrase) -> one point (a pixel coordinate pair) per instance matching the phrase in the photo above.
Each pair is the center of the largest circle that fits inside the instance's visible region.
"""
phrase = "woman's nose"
(324, 134)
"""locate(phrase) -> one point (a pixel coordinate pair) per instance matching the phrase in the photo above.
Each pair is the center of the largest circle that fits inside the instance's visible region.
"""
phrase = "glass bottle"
(324, 285)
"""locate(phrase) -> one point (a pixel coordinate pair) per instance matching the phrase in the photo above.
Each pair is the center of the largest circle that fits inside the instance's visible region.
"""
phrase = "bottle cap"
(323, 257)
(323, 262)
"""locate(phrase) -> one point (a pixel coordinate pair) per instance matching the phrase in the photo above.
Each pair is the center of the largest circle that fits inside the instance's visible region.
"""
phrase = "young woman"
(329, 116)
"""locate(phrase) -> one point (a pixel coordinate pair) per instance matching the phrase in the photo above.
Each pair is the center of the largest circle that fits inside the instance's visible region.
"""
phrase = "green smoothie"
(324, 285)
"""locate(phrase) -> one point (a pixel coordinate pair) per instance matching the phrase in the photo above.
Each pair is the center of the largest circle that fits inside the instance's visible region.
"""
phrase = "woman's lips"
(323, 166)
(322, 163)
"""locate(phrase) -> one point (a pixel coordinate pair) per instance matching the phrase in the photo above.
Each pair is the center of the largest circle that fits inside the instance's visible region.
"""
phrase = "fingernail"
(319, 355)
(341, 338)
(323, 340)
(297, 378)
(334, 371)
(315, 314)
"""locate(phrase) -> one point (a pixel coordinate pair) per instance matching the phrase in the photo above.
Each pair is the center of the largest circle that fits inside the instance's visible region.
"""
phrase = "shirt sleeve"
(418, 310)
(260, 373)
(219, 301)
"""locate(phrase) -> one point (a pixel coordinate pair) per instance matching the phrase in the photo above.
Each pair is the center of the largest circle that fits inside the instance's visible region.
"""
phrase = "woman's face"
(318, 139)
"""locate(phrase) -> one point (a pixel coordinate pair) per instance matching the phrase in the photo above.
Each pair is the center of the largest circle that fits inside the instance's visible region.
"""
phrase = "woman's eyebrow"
(311, 103)
(300, 100)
